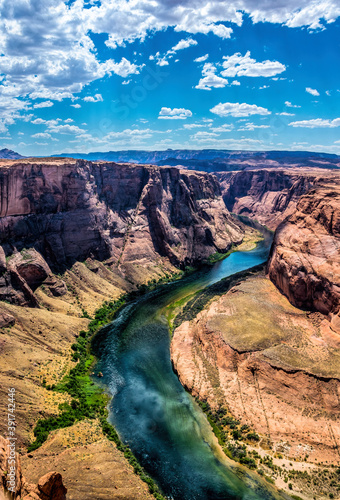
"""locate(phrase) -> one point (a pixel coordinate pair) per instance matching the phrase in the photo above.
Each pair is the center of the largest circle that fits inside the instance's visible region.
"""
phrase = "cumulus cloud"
(316, 123)
(312, 91)
(237, 109)
(124, 68)
(238, 65)
(202, 58)
(174, 114)
(183, 44)
(65, 129)
(45, 104)
(210, 79)
(42, 135)
(91, 98)
(126, 21)
(77, 106)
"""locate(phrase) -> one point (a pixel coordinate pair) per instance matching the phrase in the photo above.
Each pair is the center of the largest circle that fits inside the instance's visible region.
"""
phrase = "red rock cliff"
(268, 195)
(305, 257)
(53, 214)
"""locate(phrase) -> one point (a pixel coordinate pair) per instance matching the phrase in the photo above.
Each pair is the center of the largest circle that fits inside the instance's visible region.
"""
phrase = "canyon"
(268, 349)
(73, 235)
(76, 233)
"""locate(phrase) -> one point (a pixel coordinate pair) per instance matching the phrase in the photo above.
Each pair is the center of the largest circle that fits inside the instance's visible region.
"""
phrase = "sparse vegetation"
(88, 399)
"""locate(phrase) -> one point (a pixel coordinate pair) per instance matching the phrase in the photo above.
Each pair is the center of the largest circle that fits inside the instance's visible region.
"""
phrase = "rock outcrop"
(269, 196)
(49, 487)
(305, 258)
(55, 213)
(272, 366)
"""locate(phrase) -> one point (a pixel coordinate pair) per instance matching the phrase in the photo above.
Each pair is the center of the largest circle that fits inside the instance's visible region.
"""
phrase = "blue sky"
(155, 74)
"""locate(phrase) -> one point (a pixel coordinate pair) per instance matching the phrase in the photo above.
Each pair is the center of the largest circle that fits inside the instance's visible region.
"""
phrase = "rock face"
(269, 195)
(305, 258)
(54, 214)
(50, 486)
(272, 366)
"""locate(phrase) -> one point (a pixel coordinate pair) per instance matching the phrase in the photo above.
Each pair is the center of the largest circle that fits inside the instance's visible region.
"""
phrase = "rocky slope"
(8, 154)
(48, 487)
(269, 196)
(53, 214)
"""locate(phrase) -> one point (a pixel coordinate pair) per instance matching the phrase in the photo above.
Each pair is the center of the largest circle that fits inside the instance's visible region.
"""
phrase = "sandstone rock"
(62, 213)
(305, 257)
(56, 286)
(6, 319)
(51, 487)
(5, 456)
(267, 195)
(3, 265)
(253, 352)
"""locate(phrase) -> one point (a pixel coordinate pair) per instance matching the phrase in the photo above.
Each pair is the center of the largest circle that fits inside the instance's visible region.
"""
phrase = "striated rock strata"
(54, 213)
(276, 371)
(267, 195)
(305, 258)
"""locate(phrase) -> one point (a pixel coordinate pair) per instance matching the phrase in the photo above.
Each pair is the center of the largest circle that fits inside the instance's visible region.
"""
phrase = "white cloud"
(317, 123)
(126, 21)
(41, 135)
(203, 135)
(238, 109)
(190, 126)
(183, 44)
(95, 98)
(65, 129)
(235, 82)
(210, 79)
(238, 65)
(45, 104)
(68, 120)
(77, 106)
(124, 68)
(226, 127)
(312, 91)
(202, 58)
(284, 113)
(163, 60)
(175, 113)
(290, 105)
(251, 126)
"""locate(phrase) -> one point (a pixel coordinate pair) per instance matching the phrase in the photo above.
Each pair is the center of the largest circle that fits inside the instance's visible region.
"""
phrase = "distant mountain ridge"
(8, 154)
(214, 160)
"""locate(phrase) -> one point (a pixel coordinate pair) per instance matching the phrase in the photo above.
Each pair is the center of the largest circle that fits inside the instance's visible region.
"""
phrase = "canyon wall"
(267, 195)
(54, 213)
(304, 208)
(272, 366)
(305, 257)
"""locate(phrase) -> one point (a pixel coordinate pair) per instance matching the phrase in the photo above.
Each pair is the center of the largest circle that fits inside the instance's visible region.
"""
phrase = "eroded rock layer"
(305, 257)
(54, 213)
(267, 195)
(273, 367)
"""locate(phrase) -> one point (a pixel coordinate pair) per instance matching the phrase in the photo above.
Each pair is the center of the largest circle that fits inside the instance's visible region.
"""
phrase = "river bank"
(260, 368)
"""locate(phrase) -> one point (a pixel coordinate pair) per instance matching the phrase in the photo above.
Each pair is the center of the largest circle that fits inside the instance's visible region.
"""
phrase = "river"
(161, 422)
